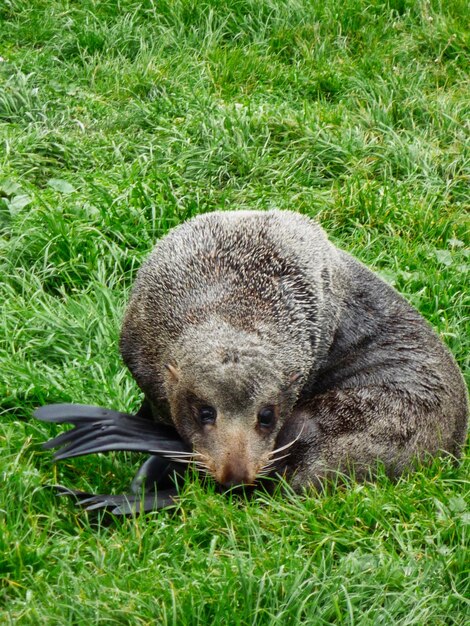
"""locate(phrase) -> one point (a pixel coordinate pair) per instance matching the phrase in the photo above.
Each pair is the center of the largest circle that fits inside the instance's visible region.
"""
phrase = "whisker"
(203, 456)
(172, 452)
(183, 454)
(266, 468)
(278, 458)
(282, 448)
(201, 465)
(268, 462)
(288, 445)
(271, 463)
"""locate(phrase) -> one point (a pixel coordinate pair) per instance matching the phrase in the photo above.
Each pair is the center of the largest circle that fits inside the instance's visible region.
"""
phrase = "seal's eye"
(206, 414)
(266, 417)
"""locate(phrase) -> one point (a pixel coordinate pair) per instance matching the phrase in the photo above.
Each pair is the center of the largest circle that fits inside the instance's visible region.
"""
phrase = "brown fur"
(246, 310)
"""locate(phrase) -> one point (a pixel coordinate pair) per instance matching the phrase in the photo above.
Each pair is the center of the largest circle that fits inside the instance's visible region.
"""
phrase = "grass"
(120, 119)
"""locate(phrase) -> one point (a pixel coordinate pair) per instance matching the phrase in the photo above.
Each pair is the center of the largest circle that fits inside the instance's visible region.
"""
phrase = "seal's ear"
(294, 378)
(292, 384)
(174, 373)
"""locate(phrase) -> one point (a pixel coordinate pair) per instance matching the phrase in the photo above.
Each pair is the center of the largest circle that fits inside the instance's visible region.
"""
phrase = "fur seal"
(268, 348)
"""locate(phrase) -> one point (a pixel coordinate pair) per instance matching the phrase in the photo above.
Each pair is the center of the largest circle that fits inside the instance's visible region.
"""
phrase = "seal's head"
(229, 394)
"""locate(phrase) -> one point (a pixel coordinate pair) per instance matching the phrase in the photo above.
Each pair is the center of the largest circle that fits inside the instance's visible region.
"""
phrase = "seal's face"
(234, 446)
(230, 408)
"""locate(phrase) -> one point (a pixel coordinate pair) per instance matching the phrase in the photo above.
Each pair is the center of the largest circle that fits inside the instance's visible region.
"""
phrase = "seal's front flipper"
(125, 504)
(157, 471)
(102, 430)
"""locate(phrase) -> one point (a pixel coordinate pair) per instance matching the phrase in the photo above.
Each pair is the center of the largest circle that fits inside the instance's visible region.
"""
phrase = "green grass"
(120, 119)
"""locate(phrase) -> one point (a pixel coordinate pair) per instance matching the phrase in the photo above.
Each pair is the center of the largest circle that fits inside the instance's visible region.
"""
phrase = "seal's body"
(257, 338)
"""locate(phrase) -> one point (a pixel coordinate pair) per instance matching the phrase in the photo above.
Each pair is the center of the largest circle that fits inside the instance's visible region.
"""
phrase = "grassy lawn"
(122, 118)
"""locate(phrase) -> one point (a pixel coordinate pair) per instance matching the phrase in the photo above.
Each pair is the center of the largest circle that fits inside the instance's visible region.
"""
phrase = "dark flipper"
(102, 430)
(157, 471)
(121, 504)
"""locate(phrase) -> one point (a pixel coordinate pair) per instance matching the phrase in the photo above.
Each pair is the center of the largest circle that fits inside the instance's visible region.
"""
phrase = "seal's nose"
(234, 474)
